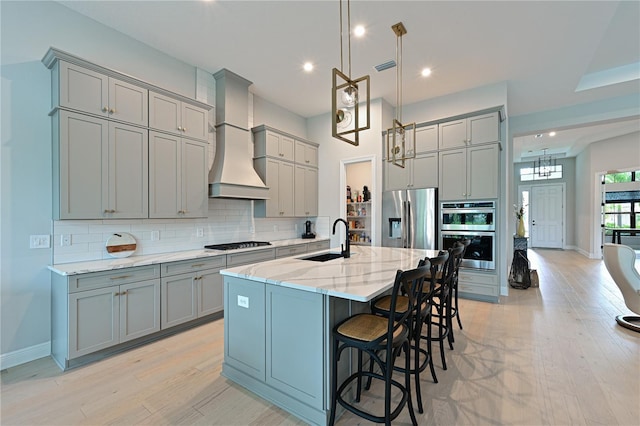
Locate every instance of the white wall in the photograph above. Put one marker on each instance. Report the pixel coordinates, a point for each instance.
(275, 116)
(620, 153)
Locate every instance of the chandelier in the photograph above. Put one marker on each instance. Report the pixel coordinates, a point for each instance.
(544, 165)
(348, 95)
(401, 138)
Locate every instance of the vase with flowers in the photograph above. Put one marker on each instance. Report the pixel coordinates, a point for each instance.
(519, 212)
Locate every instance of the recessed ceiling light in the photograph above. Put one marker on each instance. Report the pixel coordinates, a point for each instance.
(308, 66)
(359, 31)
(552, 134)
(426, 72)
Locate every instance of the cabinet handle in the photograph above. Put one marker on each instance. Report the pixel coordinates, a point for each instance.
(197, 265)
(184, 129)
(112, 110)
(179, 128)
(116, 294)
(124, 293)
(112, 211)
(105, 109)
(120, 277)
(306, 161)
(106, 211)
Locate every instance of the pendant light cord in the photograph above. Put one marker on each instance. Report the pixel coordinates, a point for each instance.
(348, 38)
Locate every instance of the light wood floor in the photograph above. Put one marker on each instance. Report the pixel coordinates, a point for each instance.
(547, 356)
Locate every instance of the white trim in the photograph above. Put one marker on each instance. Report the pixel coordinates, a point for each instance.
(24, 355)
(374, 199)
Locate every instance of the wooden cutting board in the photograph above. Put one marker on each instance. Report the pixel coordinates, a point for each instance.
(121, 244)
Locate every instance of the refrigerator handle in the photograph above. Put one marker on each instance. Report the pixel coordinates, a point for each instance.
(409, 227)
(404, 224)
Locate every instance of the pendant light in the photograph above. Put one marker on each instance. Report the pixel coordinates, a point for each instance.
(401, 138)
(349, 96)
(544, 165)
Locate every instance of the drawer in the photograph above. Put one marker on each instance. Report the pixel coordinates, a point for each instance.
(473, 278)
(290, 250)
(484, 290)
(96, 280)
(185, 266)
(318, 245)
(254, 256)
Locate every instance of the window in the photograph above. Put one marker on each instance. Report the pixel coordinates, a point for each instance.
(526, 173)
(622, 208)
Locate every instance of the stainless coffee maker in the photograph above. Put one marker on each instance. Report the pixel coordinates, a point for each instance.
(307, 231)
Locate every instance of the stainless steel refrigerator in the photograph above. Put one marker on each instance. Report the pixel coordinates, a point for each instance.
(409, 218)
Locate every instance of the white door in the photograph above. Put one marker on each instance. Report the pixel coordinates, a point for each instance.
(546, 215)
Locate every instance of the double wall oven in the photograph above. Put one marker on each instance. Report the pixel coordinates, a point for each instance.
(474, 221)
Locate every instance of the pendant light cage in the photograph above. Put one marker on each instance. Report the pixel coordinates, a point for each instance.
(401, 138)
(350, 98)
(544, 165)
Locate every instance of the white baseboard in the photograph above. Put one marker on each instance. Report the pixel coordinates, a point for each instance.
(21, 356)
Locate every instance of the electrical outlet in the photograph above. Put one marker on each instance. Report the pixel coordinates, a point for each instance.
(200, 232)
(155, 235)
(65, 240)
(39, 241)
(252, 229)
(243, 301)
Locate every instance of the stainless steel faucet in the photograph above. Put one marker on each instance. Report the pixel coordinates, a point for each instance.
(345, 252)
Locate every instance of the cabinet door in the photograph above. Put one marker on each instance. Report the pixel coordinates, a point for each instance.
(194, 121)
(84, 90)
(482, 171)
(165, 179)
(427, 139)
(425, 171)
(285, 370)
(287, 147)
(94, 317)
(195, 201)
(272, 144)
(311, 192)
(210, 292)
(165, 113)
(128, 102)
(453, 176)
(396, 177)
(178, 297)
(128, 171)
(306, 154)
(306, 191)
(139, 309)
(453, 134)
(483, 128)
(285, 189)
(83, 163)
(272, 181)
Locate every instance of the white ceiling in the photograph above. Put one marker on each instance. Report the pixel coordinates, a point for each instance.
(540, 48)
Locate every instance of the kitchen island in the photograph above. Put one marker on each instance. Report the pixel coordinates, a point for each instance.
(278, 318)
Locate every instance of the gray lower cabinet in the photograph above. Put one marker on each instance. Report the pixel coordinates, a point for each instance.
(262, 324)
(95, 311)
(479, 285)
(191, 289)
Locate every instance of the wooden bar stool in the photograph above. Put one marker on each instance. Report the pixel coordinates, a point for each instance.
(372, 335)
(424, 300)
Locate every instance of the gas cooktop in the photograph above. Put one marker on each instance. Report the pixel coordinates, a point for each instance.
(234, 246)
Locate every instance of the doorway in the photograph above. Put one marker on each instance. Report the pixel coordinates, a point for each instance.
(361, 214)
(544, 215)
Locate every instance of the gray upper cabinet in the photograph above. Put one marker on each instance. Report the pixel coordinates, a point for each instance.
(101, 163)
(174, 116)
(469, 173)
(177, 177)
(82, 89)
(427, 139)
(289, 167)
(100, 168)
(474, 130)
(419, 172)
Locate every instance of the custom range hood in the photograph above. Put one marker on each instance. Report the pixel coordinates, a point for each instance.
(233, 175)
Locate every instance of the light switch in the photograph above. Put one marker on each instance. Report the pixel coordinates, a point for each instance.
(39, 241)
(243, 301)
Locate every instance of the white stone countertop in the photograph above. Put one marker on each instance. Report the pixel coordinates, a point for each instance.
(369, 271)
(151, 259)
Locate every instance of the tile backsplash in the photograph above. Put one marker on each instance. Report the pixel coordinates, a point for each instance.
(228, 220)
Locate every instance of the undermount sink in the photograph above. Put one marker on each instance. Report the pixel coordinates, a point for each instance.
(323, 257)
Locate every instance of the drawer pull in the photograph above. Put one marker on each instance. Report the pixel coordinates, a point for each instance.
(120, 277)
(197, 265)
